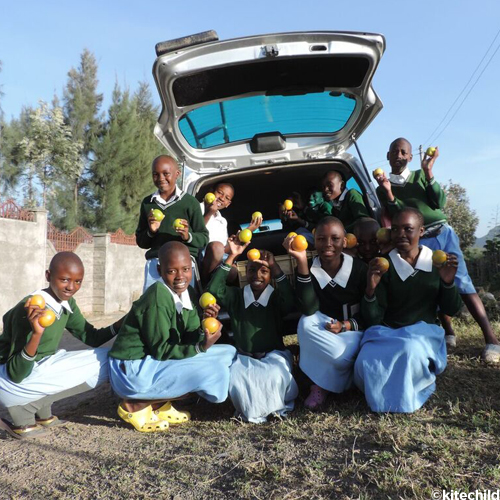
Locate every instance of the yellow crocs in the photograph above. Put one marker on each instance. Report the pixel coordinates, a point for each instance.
(144, 420)
(171, 415)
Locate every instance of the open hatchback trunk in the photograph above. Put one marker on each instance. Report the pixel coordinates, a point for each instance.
(268, 113)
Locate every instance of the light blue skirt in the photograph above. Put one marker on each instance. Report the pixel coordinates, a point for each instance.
(397, 368)
(327, 358)
(261, 387)
(206, 374)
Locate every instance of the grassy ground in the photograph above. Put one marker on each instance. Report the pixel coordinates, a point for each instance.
(343, 452)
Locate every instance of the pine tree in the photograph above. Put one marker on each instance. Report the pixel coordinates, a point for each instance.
(120, 172)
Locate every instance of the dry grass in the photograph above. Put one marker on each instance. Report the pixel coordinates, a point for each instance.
(343, 452)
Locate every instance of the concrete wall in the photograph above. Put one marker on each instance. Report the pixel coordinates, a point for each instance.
(114, 273)
(22, 258)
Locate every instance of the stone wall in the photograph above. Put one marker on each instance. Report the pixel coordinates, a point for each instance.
(114, 273)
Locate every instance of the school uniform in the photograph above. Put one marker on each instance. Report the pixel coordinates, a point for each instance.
(327, 358)
(180, 206)
(158, 352)
(261, 376)
(25, 379)
(412, 189)
(404, 348)
(348, 207)
(216, 226)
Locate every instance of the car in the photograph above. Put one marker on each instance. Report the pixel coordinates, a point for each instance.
(270, 114)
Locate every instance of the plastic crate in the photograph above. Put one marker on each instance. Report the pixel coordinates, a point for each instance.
(286, 262)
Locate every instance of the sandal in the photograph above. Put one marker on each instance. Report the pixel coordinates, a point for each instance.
(27, 432)
(171, 415)
(53, 421)
(491, 354)
(316, 398)
(144, 420)
(451, 340)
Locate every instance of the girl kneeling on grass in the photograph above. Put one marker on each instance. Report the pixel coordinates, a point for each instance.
(405, 349)
(261, 376)
(161, 354)
(329, 296)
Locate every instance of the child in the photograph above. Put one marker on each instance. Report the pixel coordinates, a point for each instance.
(336, 200)
(420, 190)
(329, 295)
(34, 373)
(368, 247)
(261, 377)
(161, 354)
(173, 204)
(404, 349)
(217, 228)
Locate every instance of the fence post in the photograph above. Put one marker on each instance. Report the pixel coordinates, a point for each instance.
(101, 244)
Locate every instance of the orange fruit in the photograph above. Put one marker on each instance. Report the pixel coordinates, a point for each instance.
(178, 224)
(439, 258)
(256, 214)
(351, 240)
(245, 236)
(377, 172)
(210, 324)
(288, 204)
(158, 214)
(291, 235)
(47, 318)
(382, 263)
(430, 151)
(207, 299)
(299, 243)
(384, 235)
(37, 300)
(253, 254)
(210, 198)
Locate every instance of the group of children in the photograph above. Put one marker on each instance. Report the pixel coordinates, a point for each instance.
(363, 322)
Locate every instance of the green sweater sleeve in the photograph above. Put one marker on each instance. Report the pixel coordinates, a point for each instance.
(373, 310)
(142, 235)
(435, 195)
(450, 301)
(286, 295)
(356, 206)
(307, 299)
(225, 295)
(80, 328)
(20, 365)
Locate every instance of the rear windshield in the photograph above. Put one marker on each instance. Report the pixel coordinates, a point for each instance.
(240, 119)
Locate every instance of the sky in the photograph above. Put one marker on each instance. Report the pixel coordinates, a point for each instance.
(433, 47)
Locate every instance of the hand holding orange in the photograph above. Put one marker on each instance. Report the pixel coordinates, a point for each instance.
(157, 214)
(299, 243)
(210, 324)
(245, 235)
(253, 254)
(209, 198)
(207, 299)
(288, 204)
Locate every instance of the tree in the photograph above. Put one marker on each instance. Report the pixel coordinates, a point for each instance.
(49, 151)
(460, 216)
(120, 172)
(81, 107)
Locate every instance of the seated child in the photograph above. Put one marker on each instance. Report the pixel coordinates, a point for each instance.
(34, 373)
(261, 377)
(419, 189)
(404, 348)
(174, 204)
(161, 354)
(329, 296)
(368, 247)
(217, 228)
(336, 200)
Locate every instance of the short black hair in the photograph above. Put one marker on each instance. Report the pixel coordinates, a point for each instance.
(401, 139)
(64, 259)
(410, 210)
(330, 219)
(165, 157)
(224, 183)
(365, 222)
(326, 174)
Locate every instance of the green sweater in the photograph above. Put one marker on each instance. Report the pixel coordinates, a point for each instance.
(17, 333)
(154, 327)
(256, 329)
(187, 207)
(351, 208)
(342, 304)
(417, 192)
(399, 303)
